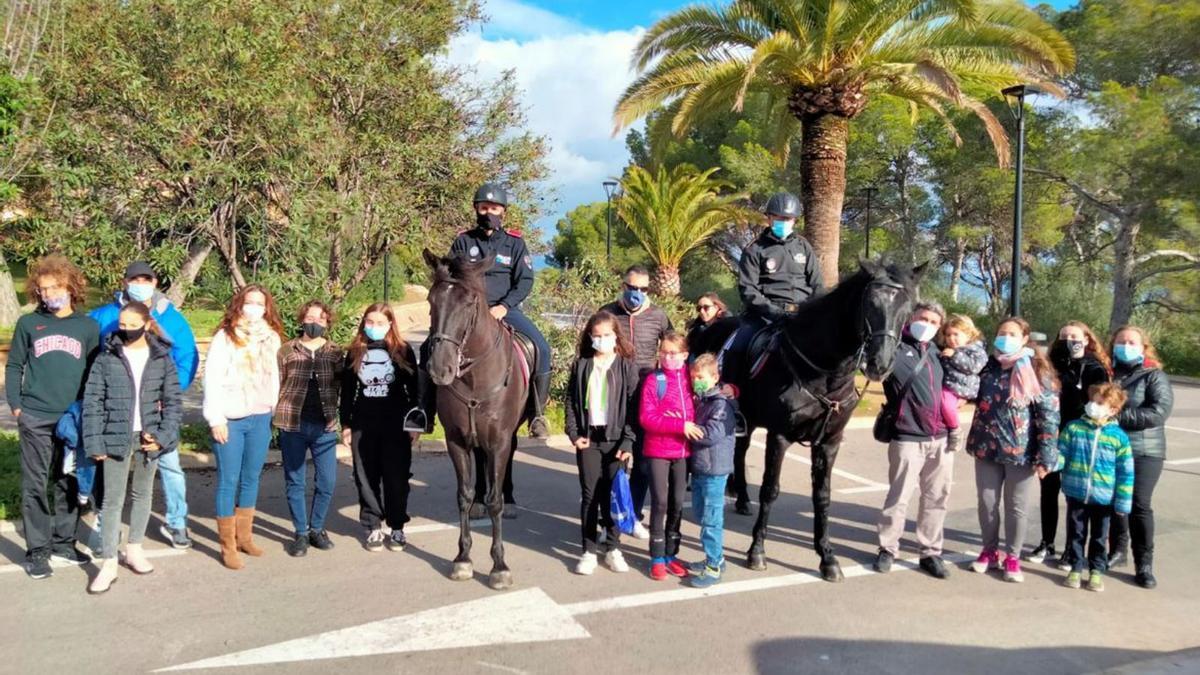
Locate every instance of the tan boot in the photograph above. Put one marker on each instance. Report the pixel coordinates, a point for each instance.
(226, 532)
(245, 537)
(105, 578)
(135, 559)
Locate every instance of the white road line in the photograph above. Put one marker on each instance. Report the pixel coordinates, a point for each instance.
(1177, 462)
(1190, 431)
(152, 553)
(874, 485)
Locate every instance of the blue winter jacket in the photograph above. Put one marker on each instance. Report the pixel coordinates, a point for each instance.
(174, 327)
(716, 415)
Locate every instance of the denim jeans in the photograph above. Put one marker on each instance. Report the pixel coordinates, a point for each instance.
(117, 485)
(708, 507)
(240, 462)
(174, 488)
(295, 446)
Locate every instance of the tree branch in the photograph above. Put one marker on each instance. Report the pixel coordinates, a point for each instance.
(1078, 189)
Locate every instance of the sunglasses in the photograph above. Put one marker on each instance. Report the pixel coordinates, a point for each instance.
(637, 288)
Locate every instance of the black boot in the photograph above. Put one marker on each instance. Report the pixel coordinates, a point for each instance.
(1145, 571)
(1118, 558)
(538, 427)
(420, 418)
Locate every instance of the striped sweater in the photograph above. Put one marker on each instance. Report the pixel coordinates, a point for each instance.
(1097, 464)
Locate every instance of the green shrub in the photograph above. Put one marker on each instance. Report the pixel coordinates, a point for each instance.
(10, 477)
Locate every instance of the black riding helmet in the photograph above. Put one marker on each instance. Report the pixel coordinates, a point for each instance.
(491, 192)
(783, 204)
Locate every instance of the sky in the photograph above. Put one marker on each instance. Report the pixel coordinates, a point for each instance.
(571, 61)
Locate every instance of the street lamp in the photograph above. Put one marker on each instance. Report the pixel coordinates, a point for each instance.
(387, 271)
(610, 189)
(1019, 92)
(870, 191)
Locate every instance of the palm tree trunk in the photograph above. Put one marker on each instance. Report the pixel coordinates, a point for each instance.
(666, 281)
(823, 186)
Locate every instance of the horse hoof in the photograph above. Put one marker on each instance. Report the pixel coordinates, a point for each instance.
(832, 572)
(756, 561)
(462, 571)
(500, 580)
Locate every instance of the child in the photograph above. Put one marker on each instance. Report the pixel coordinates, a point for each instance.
(963, 358)
(666, 415)
(1097, 477)
(711, 464)
(599, 421)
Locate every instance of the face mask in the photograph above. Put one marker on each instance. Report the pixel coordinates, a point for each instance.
(922, 331)
(674, 361)
(1128, 353)
(312, 330)
(57, 302)
(1097, 411)
(1007, 344)
(701, 386)
(130, 335)
(254, 312)
(488, 221)
(1076, 348)
(140, 292)
(781, 228)
(605, 345)
(375, 333)
(633, 299)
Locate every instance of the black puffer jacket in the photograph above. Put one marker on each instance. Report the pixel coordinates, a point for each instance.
(1145, 414)
(108, 401)
(1077, 376)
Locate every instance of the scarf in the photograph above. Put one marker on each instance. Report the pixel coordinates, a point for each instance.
(259, 348)
(1024, 387)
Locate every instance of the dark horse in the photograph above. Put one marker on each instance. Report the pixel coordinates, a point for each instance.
(481, 395)
(805, 393)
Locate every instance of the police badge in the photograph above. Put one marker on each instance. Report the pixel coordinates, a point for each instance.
(771, 264)
(800, 257)
(474, 251)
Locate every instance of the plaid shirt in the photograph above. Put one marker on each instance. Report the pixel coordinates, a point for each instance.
(296, 366)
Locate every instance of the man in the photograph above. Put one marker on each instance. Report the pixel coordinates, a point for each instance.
(52, 349)
(918, 455)
(644, 323)
(141, 285)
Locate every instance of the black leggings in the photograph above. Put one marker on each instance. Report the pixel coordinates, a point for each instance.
(667, 484)
(1140, 521)
(1051, 486)
(598, 466)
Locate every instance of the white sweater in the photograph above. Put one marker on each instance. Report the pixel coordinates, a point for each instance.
(228, 393)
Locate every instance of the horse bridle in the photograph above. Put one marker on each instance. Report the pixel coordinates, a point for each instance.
(463, 364)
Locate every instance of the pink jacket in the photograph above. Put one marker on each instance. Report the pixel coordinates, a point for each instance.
(664, 435)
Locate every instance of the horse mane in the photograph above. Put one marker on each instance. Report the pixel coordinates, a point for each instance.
(460, 270)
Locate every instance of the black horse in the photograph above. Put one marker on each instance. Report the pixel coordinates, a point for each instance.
(805, 392)
(481, 396)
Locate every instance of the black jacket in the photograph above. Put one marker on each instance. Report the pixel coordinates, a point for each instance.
(920, 413)
(108, 400)
(1077, 376)
(774, 276)
(708, 338)
(644, 330)
(1145, 414)
(510, 278)
(622, 402)
(380, 391)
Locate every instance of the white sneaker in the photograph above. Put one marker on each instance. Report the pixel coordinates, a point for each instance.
(586, 564)
(640, 531)
(615, 561)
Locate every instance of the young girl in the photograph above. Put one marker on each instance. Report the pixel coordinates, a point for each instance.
(599, 421)
(963, 357)
(379, 383)
(241, 388)
(667, 414)
(131, 413)
(1014, 439)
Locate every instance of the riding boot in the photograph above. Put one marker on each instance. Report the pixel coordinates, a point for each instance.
(420, 418)
(538, 427)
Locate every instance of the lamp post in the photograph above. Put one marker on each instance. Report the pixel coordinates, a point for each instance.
(870, 191)
(1019, 92)
(610, 189)
(387, 272)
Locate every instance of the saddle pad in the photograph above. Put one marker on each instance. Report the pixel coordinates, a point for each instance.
(519, 352)
(759, 364)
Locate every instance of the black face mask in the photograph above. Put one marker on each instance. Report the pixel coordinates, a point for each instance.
(488, 221)
(312, 331)
(130, 335)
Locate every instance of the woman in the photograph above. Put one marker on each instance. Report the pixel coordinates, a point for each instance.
(1143, 419)
(241, 389)
(310, 370)
(131, 414)
(1014, 439)
(378, 385)
(713, 325)
(1080, 361)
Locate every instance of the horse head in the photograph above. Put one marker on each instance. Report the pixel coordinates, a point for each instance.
(888, 296)
(456, 300)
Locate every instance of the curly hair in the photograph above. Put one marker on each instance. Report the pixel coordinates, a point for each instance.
(233, 313)
(64, 271)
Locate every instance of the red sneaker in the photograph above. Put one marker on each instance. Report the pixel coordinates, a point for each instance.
(658, 571)
(676, 568)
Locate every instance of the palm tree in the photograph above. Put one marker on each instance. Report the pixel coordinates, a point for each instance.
(673, 213)
(819, 62)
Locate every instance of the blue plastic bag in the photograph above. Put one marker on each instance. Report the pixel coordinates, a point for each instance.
(621, 503)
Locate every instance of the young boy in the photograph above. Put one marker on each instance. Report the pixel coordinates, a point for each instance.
(1097, 478)
(711, 464)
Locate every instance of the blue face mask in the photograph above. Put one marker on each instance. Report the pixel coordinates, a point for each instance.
(633, 299)
(1007, 344)
(139, 292)
(1128, 353)
(781, 228)
(375, 333)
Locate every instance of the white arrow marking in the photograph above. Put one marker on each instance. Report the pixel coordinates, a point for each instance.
(509, 618)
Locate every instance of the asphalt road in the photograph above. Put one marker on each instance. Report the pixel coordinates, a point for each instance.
(398, 612)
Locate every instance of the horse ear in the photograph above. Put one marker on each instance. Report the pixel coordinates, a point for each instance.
(920, 270)
(430, 259)
(870, 267)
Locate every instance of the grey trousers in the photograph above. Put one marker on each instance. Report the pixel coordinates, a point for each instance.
(1017, 486)
(929, 467)
(116, 480)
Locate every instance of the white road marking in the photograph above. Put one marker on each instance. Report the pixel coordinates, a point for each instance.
(501, 668)
(874, 485)
(1177, 462)
(151, 553)
(1190, 431)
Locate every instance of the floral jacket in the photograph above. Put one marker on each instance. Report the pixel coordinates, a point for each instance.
(1008, 434)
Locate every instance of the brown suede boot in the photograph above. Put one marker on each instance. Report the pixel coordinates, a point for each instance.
(245, 538)
(226, 532)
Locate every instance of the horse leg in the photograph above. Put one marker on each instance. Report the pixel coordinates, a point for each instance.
(741, 491)
(823, 457)
(500, 578)
(777, 447)
(478, 508)
(463, 466)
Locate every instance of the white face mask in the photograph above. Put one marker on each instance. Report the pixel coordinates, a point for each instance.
(1097, 411)
(605, 345)
(922, 331)
(253, 312)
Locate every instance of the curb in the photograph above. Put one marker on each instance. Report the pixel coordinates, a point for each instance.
(1184, 380)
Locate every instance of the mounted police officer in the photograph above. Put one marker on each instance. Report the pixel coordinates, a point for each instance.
(508, 283)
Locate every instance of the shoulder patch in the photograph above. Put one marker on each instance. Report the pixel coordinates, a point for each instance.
(515, 233)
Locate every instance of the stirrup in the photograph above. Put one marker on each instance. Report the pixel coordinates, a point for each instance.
(415, 421)
(545, 425)
(740, 428)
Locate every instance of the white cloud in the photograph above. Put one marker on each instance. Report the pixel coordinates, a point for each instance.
(570, 83)
(515, 19)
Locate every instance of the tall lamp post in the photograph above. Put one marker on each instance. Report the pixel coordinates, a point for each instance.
(610, 189)
(870, 191)
(387, 272)
(1019, 92)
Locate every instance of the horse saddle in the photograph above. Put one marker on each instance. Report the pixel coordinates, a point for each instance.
(761, 345)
